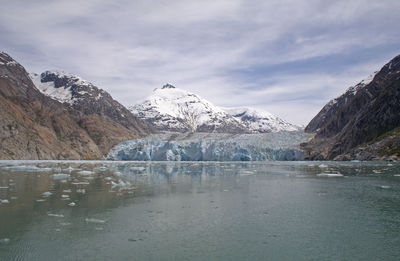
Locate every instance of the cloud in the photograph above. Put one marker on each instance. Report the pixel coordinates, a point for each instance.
(289, 57)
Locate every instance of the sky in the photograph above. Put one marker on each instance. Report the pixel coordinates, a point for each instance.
(287, 57)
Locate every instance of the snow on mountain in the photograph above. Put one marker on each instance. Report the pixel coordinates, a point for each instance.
(260, 121)
(86, 98)
(173, 109)
(64, 87)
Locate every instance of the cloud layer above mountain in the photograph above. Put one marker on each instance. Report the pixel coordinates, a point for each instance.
(288, 57)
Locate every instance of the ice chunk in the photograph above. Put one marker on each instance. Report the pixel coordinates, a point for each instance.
(138, 168)
(81, 191)
(121, 185)
(85, 172)
(4, 241)
(330, 175)
(4, 201)
(95, 220)
(80, 183)
(103, 168)
(55, 215)
(69, 169)
(60, 176)
(72, 204)
(47, 194)
(27, 168)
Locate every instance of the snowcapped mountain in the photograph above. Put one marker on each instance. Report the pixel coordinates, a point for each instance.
(83, 96)
(173, 109)
(105, 119)
(260, 121)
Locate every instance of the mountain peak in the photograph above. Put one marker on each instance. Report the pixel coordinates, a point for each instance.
(168, 86)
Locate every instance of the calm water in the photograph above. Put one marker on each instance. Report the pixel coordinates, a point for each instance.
(199, 211)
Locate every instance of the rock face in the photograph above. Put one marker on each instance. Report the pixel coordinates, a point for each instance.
(357, 125)
(212, 147)
(173, 109)
(35, 126)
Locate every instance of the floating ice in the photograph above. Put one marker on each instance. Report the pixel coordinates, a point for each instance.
(95, 220)
(81, 191)
(121, 185)
(385, 187)
(69, 169)
(323, 166)
(60, 176)
(27, 168)
(330, 175)
(55, 215)
(64, 196)
(72, 204)
(67, 190)
(4, 187)
(80, 183)
(47, 194)
(376, 171)
(4, 201)
(4, 241)
(138, 168)
(103, 168)
(85, 173)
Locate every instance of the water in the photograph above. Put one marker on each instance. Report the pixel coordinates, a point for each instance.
(199, 211)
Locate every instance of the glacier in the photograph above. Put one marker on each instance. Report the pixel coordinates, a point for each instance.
(212, 147)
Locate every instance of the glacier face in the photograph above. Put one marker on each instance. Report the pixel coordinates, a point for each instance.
(212, 147)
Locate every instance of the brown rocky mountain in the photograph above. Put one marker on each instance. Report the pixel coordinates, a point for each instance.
(36, 126)
(362, 123)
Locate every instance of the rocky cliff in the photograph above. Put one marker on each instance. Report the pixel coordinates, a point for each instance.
(36, 126)
(361, 123)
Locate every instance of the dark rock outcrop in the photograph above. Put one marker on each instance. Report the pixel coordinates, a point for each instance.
(358, 118)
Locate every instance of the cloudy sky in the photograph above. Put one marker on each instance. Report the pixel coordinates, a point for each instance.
(287, 57)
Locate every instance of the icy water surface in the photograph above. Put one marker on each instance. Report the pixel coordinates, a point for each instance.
(199, 211)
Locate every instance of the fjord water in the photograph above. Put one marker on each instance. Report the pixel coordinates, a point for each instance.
(66, 210)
